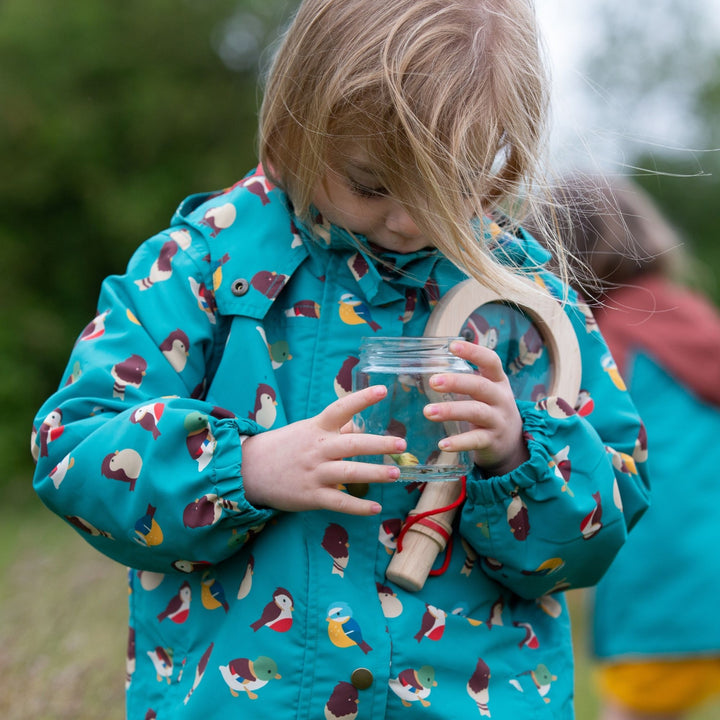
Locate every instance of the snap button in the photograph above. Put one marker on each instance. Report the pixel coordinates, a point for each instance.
(361, 678)
(240, 286)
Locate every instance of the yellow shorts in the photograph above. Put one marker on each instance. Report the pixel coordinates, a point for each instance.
(662, 686)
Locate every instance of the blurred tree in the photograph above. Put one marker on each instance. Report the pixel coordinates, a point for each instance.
(656, 84)
(110, 114)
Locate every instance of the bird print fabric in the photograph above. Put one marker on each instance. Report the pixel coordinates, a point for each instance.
(241, 318)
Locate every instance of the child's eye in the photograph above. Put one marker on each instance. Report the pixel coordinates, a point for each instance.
(367, 192)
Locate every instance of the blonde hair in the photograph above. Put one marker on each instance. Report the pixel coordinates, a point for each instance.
(447, 97)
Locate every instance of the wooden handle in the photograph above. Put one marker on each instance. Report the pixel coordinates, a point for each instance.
(422, 543)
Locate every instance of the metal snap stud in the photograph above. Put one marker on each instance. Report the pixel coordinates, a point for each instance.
(240, 286)
(361, 678)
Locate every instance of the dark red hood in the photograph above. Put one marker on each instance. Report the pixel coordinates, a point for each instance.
(677, 327)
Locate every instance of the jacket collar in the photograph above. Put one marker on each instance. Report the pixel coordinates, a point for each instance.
(256, 243)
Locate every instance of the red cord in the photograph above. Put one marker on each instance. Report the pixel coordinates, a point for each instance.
(412, 519)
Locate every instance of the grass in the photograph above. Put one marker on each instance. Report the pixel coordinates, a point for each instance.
(63, 625)
(63, 622)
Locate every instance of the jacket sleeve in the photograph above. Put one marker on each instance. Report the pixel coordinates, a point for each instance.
(127, 451)
(557, 521)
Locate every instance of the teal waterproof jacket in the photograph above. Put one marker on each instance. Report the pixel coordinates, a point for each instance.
(239, 319)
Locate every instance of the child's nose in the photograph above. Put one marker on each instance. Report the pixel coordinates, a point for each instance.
(399, 221)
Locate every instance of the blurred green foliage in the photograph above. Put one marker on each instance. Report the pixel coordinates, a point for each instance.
(110, 114)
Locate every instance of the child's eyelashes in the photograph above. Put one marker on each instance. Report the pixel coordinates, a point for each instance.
(367, 192)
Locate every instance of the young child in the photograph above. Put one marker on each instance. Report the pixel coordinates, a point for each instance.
(202, 432)
(653, 611)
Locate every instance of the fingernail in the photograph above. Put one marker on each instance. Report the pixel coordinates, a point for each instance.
(437, 381)
(394, 473)
(400, 444)
(431, 410)
(444, 444)
(375, 508)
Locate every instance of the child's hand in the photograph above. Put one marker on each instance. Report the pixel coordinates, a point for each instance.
(495, 434)
(299, 466)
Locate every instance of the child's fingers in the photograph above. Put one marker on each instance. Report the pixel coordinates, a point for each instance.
(486, 360)
(339, 413)
(339, 501)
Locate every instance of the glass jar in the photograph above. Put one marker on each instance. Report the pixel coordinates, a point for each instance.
(404, 365)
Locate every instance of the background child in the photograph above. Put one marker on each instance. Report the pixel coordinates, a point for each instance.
(202, 429)
(653, 619)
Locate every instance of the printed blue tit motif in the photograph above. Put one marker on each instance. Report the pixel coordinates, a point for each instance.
(241, 318)
(213, 592)
(343, 629)
(147, 530)
(353, 311)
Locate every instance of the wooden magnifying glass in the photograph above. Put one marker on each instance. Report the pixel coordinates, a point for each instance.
(536, 341)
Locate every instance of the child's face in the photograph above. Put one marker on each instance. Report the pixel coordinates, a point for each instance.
(351, 196)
